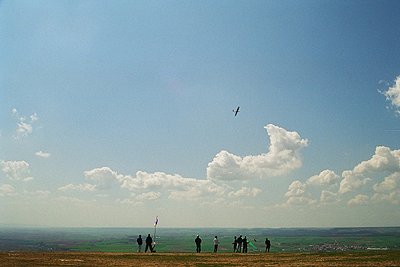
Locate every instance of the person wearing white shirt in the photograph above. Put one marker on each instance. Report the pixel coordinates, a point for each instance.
(216, 242)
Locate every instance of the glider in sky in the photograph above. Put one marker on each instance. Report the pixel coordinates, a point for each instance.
(236, 111)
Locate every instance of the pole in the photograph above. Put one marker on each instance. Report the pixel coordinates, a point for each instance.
(155, 230)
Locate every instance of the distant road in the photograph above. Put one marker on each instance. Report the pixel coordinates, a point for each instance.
(345, 259)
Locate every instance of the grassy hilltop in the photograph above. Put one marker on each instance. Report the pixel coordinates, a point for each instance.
(348, 259)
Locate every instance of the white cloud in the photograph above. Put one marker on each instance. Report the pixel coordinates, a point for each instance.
(358, 200)
(178, 186)
(325, 178)
(43, 154)
(391, 183)
(392, 94)
(353, 183)
(296, 188)
(297, 194)
(283, 156)
(16, 170)
(175, 185)
(24, 124)
(7, 190)
(388, 190)
(103, 177)
(315, 187)
(384, 160)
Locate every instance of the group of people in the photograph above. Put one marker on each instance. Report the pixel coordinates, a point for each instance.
(149, 243)
(239, 244)
(197, 241)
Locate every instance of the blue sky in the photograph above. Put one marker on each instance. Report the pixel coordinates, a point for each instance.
(113, 112)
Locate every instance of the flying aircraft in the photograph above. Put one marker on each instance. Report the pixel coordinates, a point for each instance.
(236, 111)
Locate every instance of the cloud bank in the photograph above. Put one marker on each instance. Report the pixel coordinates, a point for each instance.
(282, 157)
(379, 176)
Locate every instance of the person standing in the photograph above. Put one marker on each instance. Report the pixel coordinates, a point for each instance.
(216, 243)
(239, 244)
(149, 243)
(234, 244)
(244, 244)
(267, 245)
(198, 244)
(139, 243)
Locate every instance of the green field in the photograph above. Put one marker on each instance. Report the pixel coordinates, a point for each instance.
(182, 239)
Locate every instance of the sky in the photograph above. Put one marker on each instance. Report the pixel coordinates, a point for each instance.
(115, 112)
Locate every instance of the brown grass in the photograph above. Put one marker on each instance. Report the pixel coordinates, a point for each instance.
(370, 258)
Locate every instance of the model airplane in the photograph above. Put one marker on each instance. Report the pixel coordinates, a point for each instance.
(236, 111)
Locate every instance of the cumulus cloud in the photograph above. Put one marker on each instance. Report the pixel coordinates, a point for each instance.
(297, 195)
(103, 177)
(384, 160)
(16, 170)
(325, 178)
(392, 95)
(313, 189)
(42, 154)
(283, 156)
(380, 174)
(176, 186)
(388, 190)
(296, 188)
(24, 124)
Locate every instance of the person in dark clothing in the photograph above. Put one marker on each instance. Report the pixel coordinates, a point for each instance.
(239, 244)
(234, 244)
(140, 243)
(198, 244)
(267, 245)
(149, 243)
(245, 244)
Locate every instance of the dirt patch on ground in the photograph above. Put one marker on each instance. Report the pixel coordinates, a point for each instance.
(371, 258)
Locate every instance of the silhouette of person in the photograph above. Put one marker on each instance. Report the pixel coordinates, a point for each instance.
(140, 243)
(198, 244)
(234, 244)
(149, 242)
(239, 244)
(245, 244)
(267, 245)
(216, 243)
